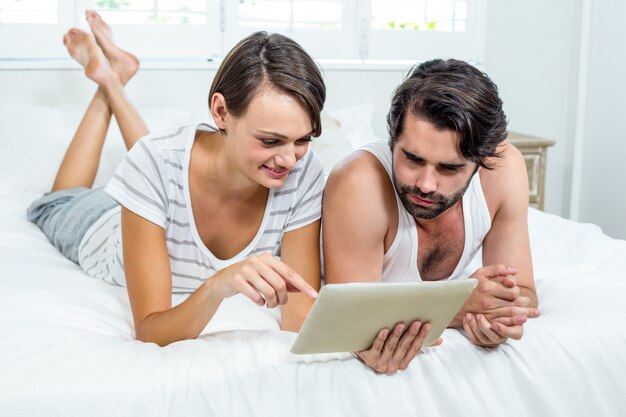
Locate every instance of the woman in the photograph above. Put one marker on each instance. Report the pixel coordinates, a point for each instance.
(199, 209)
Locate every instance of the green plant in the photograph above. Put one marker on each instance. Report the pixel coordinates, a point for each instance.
(412, 25)
(111, 4)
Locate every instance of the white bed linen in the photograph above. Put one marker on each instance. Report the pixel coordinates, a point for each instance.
(67, 348)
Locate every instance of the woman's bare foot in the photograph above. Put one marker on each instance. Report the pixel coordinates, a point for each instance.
(83, 48)
(123, 63)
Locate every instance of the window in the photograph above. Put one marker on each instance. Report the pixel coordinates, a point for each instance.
(439, 15)
(367, 29)
(315, 24)
(320, 14)
(172, 29)
(201, 29)
(419, 29)
(28, 11)
(190, 12)
(165, 28)
(38, 24)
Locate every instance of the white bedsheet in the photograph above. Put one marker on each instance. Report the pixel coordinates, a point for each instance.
(67, 348)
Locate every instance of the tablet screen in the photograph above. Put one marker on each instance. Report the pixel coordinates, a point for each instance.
(347, 317)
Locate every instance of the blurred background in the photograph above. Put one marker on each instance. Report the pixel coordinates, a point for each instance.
(560, 66)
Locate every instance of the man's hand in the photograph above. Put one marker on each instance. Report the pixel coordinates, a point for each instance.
(496, 295)
(483, 333)
(495, 311)
(393, 351)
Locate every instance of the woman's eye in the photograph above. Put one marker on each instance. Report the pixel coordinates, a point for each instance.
(269, 142)
(304, 141)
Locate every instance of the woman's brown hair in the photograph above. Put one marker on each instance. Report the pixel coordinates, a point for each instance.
(262, 60)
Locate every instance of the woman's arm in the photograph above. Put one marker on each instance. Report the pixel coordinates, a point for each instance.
(149, 283)
(300, 250)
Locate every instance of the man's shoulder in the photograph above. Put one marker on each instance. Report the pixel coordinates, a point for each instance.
(361, 171)
(360, 185)
(507, 181)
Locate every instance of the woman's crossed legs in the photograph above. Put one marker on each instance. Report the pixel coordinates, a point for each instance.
(111, 68)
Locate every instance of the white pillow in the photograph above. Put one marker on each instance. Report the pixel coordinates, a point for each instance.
(33, 141)
(344, 131)
(356, 123)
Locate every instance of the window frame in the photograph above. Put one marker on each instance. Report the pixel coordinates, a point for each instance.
(314, 41)
(38, 40)
(425, 44)
(354, 41)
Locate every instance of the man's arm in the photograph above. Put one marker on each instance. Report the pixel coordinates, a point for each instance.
(354, 220)
(506, 191)
(358, 200)
(510, 298)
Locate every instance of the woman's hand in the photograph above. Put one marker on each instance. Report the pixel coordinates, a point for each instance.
(393, 351)
(263, 279)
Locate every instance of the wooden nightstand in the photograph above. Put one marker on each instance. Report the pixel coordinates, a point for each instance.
(535, 151)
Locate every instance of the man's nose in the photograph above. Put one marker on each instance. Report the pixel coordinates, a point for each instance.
(426, 180)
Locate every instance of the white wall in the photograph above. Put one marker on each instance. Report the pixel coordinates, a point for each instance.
(188, 88)
(603, 186)
(532, 52)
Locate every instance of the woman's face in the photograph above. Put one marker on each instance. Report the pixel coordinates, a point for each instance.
(269, 138)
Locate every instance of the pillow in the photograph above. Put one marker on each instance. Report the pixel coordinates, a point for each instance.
(344, 131)
(356, 123)
(33, 141)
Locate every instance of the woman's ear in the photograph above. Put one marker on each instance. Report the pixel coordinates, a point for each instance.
(219, 112)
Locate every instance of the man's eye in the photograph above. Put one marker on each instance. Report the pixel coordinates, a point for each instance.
(450, 168)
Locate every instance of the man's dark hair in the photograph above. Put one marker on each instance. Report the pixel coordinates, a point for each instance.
(264, 60)
(454, 95)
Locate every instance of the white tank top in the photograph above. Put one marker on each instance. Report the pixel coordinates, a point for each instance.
(400, 260)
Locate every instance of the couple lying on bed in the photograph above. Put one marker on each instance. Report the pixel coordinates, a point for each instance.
(236, 208)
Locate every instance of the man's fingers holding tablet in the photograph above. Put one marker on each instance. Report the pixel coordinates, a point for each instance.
(390, 347)
(404, 348)
(371, 357)
(378, 356)
(395, 349)
(416, 344)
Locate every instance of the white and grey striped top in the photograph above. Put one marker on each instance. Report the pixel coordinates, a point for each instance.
(153, 182)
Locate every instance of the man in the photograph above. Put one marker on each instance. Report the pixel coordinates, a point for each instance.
(421, 206)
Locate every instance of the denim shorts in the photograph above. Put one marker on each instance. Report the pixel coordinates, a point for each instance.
(65, 216)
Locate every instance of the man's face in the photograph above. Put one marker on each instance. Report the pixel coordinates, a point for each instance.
(429, 172)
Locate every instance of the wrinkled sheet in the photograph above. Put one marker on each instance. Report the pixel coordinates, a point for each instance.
(67, 347)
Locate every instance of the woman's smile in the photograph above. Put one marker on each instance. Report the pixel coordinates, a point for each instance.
(275, 173)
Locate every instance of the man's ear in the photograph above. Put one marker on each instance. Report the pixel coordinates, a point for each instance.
(219, 112)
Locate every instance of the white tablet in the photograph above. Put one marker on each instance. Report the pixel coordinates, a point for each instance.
(347, 317)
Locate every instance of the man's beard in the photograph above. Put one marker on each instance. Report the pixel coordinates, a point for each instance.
(442, 202)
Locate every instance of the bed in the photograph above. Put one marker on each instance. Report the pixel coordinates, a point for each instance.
(67, 346)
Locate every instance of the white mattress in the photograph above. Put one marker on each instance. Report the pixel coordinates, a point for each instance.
(67, 347)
